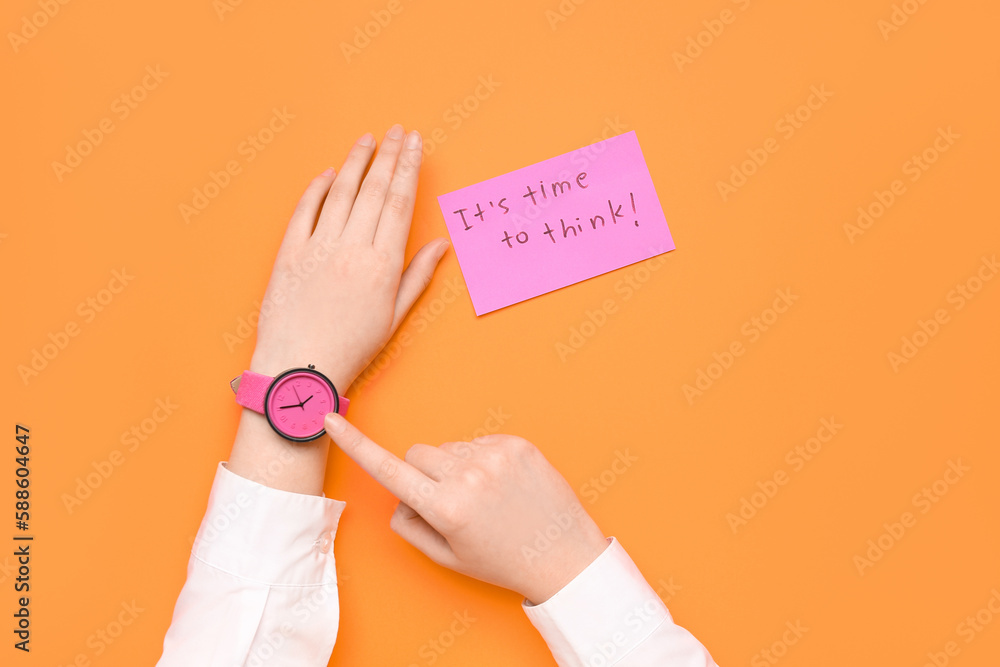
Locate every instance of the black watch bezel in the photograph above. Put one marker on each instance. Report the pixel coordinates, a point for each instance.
(267, 412)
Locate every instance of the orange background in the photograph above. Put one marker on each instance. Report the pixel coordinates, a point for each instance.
(560, 87)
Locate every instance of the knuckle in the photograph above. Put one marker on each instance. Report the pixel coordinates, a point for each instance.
(398, 203)
(339, 195)
(374, 189)
(519, 445)
(473, 477)
(387, 468)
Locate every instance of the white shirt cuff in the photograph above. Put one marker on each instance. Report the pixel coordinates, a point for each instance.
(603, 614)
(268, 535)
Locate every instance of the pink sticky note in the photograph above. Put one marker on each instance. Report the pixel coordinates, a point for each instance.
(555, 223)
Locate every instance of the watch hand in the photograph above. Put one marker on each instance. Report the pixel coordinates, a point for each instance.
(297, 395)
(304, 402)
(297, 405)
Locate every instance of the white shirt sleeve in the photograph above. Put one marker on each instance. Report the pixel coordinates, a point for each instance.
(609, 615)
(261, 581)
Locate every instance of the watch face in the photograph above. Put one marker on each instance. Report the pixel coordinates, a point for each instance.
(297, 402)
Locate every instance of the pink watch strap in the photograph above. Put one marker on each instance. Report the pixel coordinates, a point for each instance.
(251, 388)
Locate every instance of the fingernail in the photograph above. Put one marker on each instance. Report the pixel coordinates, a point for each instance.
(413, 140)
(395, 132)
(367, 139)
(334, 423)
(327, 172)
(444, 248)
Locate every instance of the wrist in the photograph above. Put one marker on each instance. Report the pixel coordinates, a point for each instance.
(564, 567)
(262, 455)
(271, 366)
(265, 455)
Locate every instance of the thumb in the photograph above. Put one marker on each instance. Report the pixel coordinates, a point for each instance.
(416, 278)
(413, 528)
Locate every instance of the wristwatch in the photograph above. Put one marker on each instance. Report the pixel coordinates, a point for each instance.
(295, 402)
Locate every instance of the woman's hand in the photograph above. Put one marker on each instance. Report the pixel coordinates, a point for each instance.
(493, 508)
(337, 293)
(338, 290)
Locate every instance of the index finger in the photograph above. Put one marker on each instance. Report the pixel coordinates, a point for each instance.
(397, 476)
